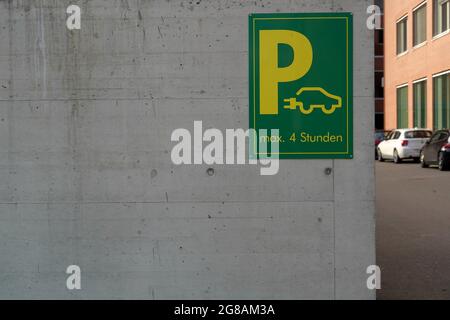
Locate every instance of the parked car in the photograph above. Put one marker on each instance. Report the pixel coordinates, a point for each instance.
(380, 135)
(403, 144)
(436, 151)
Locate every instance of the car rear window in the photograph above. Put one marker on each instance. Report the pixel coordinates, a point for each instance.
(417, 134)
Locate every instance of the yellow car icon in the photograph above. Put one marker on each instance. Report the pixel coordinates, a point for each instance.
(310, 98)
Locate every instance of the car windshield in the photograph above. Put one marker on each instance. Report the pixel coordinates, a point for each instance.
(418, 134)
(379, 135)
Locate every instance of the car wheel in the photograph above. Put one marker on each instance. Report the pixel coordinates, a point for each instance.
(396, 157)
(328, 110)
(380, 155)
(423, 163)
(306, 110)
(443, 166)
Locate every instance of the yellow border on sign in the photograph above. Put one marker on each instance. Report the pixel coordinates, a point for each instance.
(254, 80)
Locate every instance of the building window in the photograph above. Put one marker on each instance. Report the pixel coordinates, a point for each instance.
(379, 90)
(420, 104)
(402, 107)
(379, 121)
(441, 15)
(441, 101)
(402, 35)
(381, 36)
(420, 25)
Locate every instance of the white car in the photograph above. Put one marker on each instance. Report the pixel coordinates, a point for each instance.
(403, 144)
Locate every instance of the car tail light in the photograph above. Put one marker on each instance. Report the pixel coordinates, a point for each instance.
(377, 141)
(405, 143)
(446, 147)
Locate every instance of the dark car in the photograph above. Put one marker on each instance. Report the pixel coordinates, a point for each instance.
(380, 135)
(437, 150)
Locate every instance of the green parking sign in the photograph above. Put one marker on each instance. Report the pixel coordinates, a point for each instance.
(300, 69)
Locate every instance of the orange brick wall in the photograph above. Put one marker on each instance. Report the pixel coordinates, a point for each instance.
(417, 63)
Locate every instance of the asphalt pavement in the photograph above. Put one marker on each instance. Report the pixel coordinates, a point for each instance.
(413, 231)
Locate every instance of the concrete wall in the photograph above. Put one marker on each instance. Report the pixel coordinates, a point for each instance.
(86, 176)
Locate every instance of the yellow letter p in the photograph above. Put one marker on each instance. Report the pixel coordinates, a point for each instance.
(270, 74)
